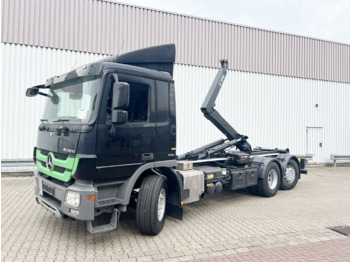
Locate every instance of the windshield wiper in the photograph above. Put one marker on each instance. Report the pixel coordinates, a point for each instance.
(61, 120)
(44, 120)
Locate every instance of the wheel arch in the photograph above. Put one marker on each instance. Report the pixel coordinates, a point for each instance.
(174, 184)
(125, 189)
(263, 162)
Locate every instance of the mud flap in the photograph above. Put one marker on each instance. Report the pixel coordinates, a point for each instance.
(174, 211)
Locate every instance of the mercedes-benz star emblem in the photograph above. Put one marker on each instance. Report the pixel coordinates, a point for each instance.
(49, 164)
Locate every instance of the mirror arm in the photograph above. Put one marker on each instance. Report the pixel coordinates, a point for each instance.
(111, 132)
(115, 77)
(43, 94)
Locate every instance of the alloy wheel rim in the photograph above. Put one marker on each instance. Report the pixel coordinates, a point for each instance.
(272, 178)
(289, 176)
(161, 204)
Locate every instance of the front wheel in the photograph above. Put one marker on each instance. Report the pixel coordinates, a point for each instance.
(269, 185)
(291, 175)
(151, 204)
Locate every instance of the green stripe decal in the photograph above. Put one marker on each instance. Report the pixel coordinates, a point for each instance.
(71, 163)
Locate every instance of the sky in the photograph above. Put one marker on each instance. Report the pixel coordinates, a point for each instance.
(323, 19)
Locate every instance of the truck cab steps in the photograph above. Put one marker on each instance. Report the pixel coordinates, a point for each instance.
(106, 227)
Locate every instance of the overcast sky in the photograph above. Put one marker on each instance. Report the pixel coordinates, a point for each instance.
(325, 19)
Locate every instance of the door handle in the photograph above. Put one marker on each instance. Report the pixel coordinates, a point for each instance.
(147, 156)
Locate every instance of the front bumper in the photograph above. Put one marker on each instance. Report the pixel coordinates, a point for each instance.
(52, 195)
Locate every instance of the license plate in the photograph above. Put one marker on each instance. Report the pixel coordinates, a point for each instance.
(48, 189)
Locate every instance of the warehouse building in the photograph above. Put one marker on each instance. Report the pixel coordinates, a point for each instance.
(282, 90)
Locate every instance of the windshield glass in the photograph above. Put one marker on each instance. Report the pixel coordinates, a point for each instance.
(72, 101)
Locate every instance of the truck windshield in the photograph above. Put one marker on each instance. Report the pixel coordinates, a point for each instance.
(72, 101)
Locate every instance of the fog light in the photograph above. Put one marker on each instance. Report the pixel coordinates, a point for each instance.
(72, 199)
(74, 212)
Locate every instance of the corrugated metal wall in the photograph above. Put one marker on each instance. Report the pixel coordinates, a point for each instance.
(102, 27)
(23, 67)
(274, 111)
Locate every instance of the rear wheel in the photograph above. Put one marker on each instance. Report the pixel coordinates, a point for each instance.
(290, 176)
(151, 204)
(269, 185)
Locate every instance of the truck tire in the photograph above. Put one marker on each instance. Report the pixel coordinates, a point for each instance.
(291, 175)
(151, 203)
(269, 185)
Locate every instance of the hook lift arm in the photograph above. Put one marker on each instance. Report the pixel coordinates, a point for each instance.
(213, 116)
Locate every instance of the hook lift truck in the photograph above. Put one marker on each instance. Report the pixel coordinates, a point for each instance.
(107, 141)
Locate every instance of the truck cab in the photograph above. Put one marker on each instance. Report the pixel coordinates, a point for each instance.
(105, 126)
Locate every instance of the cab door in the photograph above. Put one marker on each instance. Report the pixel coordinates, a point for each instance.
(133, 143)
(165, 143)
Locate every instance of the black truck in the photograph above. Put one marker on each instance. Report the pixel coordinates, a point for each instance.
(107, 141)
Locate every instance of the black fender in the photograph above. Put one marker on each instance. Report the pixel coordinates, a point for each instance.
(174, 185)
(262, 163)
(126, 187)
(174, 192)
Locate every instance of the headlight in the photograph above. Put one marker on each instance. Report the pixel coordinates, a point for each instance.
(72, 199)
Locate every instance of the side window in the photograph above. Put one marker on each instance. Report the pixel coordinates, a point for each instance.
(138, 110)
(162, 101)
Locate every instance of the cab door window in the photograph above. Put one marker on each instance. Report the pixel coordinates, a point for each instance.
(138, 109)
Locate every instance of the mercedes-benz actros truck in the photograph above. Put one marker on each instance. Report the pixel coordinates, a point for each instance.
(107, 141)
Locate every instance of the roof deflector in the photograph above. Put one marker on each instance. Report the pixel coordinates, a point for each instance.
(159, 58)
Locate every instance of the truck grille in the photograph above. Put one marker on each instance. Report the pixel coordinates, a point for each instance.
(58, 169)
(57, 155)
(42, 163)
(62, 164)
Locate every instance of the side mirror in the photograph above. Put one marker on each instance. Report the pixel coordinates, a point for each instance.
(119, 117)
(55, 99)
(120, 101)
(33, 91)
(121, 95)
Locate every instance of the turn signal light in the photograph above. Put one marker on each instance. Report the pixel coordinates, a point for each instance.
(91, 198)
